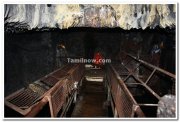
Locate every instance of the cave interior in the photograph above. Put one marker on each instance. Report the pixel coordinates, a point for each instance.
(34, 53)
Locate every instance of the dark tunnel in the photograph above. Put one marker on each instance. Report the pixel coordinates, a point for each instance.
(30, 55)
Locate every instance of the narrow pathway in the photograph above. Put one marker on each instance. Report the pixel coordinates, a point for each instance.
(91, 101)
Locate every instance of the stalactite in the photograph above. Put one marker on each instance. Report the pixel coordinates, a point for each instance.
(125, 16)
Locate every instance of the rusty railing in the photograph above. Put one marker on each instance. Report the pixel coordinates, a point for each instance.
(55, 88)
(136, 86)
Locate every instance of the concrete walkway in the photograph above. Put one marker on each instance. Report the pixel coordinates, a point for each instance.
(91, 101)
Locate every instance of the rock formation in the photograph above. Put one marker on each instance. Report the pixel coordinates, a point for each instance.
(126, 16)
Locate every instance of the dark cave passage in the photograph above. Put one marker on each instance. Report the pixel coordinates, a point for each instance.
(30, 55)
(34, 54)
(90, 60)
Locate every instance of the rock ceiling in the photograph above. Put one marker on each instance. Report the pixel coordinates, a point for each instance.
(125, 16)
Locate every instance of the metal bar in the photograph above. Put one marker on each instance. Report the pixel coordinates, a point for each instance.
(126, 62)
(131, 71)
(115, 112)
(147, 87)
(139, 111)
(124, 86)
(29, 104)
(115, 76)
(127, 77)
(112, 104)
(133, 83)
(152, 66)
(67, 105)
(148, 104)
(150, 76)
(55, 71)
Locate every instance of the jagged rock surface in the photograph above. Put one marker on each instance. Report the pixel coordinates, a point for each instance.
(125, 16)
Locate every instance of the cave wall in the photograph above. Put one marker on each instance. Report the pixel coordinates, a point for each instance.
(141, 43)
(31, 55)
(28, 57)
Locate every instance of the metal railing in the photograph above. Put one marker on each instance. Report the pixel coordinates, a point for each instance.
(136, 86)
(55, 88)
